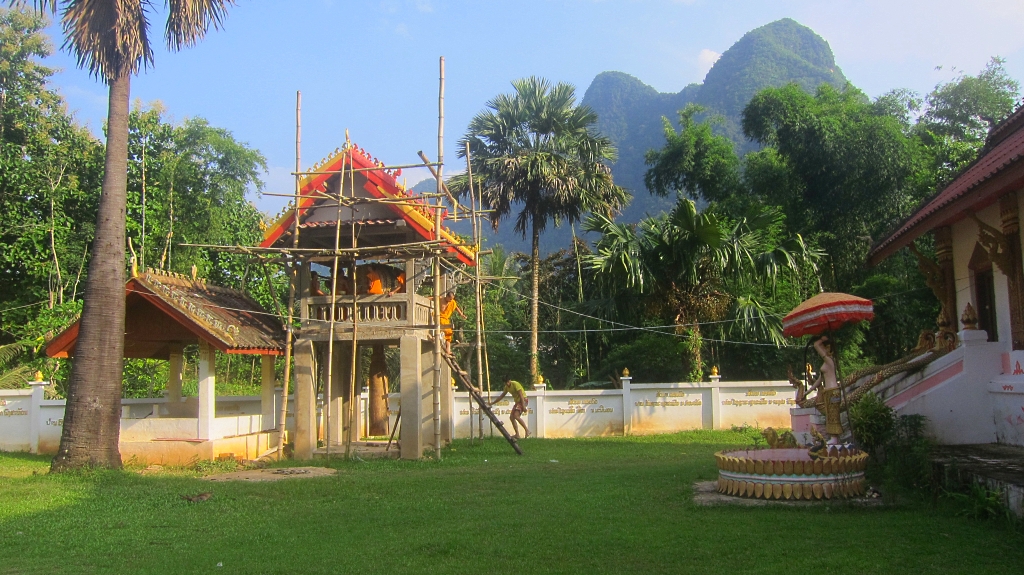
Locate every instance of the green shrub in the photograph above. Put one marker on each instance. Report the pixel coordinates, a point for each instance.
(872, 421)
(907, 457)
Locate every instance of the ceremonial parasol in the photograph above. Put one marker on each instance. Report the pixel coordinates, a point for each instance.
(826, 312)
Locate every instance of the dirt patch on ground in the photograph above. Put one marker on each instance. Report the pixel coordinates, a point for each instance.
(273, 474)
(706, 493)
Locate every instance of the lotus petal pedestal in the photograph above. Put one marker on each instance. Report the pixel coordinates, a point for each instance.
(791, 473)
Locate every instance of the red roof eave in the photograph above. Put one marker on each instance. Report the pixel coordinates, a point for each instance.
(62, 345)
(996, 173)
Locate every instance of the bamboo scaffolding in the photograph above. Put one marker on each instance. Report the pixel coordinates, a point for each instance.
(328, 395)
(476, 289)
(374, 169)
(294, 278)
(353, 423)
(435, 248)
(355, 251)
(437, 268)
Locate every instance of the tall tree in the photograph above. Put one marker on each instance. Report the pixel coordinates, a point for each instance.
(680, 264)
(537, 151)
(111, 39)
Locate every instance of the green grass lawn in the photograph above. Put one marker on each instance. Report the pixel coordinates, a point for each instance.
(617, 505)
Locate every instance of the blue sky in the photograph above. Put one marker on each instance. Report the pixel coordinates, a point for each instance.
(372, 66)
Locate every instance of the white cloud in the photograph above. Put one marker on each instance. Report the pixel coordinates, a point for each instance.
(402, 30)
(706, 59)
(424, 6)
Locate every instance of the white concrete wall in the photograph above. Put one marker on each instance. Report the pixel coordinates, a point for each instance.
(15, 420)
(30, 423)
(649, 408)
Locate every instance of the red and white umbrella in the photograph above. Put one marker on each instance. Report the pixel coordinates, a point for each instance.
(826, 311)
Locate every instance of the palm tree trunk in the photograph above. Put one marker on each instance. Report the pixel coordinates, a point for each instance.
(534, 294)
(92, 419)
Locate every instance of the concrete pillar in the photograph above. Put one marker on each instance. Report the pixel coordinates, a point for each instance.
(540, 394)
(414, 394)
(341, 379)
(305, 400)
(627, 403)
(716, 404)
(207, 390)
(268, 405)
(447, 405)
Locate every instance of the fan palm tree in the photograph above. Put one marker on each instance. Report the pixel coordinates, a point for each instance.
(535, 150)
(111, 39)
(681, 264)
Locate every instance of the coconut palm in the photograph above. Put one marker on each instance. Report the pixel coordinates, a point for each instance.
(111, 39)
(535, 150)
(681, 264)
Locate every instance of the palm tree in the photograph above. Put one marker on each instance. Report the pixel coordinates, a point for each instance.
(535, 150)
(111, 39)
(682, 264)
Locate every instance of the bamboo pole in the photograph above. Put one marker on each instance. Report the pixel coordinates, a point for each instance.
(437, 268)
(288, 348)
(352, 413)
(579, 276)
(476, 288)
(487, 367)
(328, 397)
(373, 169)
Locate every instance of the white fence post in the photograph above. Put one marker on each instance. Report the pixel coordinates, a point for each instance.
(716, 401)
(34, 413)
(627, 402)
(540, 391)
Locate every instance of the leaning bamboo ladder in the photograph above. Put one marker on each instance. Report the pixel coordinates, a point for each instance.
(478, 396)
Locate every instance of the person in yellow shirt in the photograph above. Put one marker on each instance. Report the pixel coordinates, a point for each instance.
(448, 307)
(522, 403)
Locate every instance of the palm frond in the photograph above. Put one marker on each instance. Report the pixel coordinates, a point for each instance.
(16, 378)
(189, 20)
(754, 321)
(10, 351)
(110, 38)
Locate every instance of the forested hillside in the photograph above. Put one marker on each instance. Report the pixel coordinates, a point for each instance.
(630, 112)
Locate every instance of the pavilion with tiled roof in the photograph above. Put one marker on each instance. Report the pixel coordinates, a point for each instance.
(351, 208)
(164, 313)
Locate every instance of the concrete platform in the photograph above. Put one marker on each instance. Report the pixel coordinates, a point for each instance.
(999, 467)
(363, 449)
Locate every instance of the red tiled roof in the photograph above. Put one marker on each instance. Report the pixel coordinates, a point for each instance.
(381, 182)
(997, 171)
